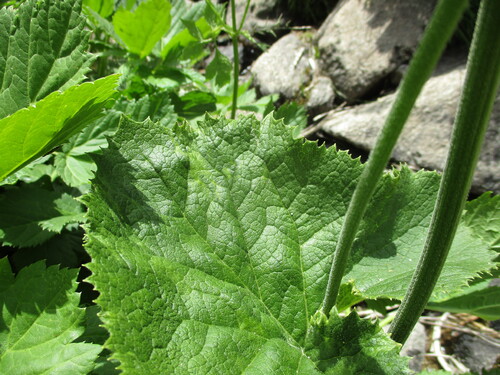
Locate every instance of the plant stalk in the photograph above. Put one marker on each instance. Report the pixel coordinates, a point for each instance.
(438, 32)
(236, 59)
(478, 95)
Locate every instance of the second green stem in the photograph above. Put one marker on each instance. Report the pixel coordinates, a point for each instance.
(236, 60)
(439, 30)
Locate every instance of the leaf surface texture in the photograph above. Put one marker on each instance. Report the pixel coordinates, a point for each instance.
(40, 319)
(212, 244)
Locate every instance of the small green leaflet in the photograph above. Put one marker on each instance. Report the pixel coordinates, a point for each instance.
(30, 215)
(40, 320)
(142, 28)
(42, 49)
(219, 68)
(211, 246)
(31, 132)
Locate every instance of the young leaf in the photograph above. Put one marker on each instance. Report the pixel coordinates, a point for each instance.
(31, 215)
(40, 320)
(31, 132)
(180, 38)
(193, 104)
(219, 68)
(141, 29)
(211, 244)
(353, 346)
(42, 49)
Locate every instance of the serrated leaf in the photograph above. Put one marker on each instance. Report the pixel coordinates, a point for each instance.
(353, 346)
(40, 319)
(182, 42)
(482, 215)
(42, 49)
(31, 173)
(64, 250)
(74, 163)
(388, 247)
(31, 215)
(292, 114)
(219, 68)
(480, 298)
(141, 29)
(212, 244)
(193, 104)
(31, 132)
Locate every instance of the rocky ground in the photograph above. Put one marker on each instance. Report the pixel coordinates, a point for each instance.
(345, 69)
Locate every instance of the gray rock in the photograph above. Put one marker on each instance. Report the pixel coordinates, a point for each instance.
(425, 139)
(263, 15)
(362, 41)
(285, 68)
(415, 347)
(321, 95)
(476, 353)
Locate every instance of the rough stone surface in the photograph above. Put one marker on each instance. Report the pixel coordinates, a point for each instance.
(425, 139)
(475, 353)
(415, 347)
(321, 95)
(263, 15)
(285, 68)
(362, 41)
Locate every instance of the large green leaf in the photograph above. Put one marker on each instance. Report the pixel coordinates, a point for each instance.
(42, 49)
(212, 244)
(31, 132)
(40, 320)
(141, 29)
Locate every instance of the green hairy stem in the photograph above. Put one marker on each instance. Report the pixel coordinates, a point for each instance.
(478, 95)
(236, 61)
(439, 30)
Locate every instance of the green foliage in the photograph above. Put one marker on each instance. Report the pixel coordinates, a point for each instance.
(221, 234)
(353, 346)
(42, 49)
(74, 164)
(31, 132)
(40, 320)
(31, 215)
(103, 7)
(219, 68)
(210, 242)
(142, 28)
